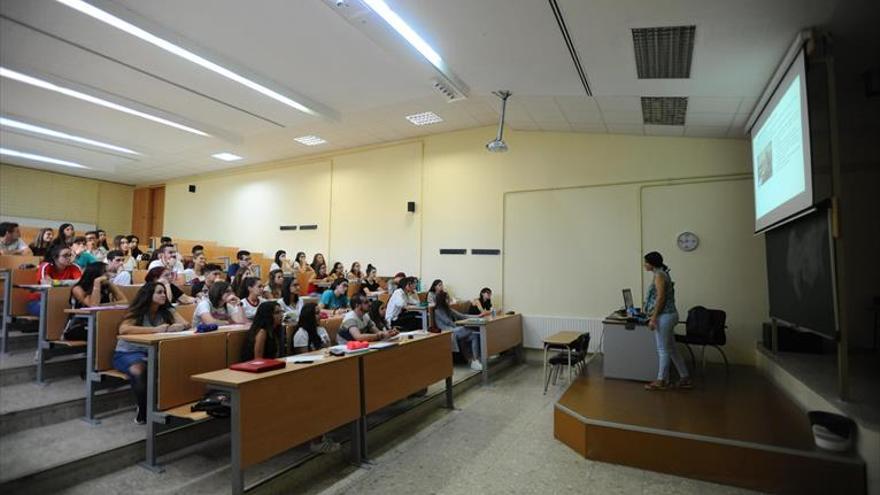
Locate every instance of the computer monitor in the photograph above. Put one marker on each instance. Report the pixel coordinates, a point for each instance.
(627, 298)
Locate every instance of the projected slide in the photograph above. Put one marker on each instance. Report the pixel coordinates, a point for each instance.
(778, 153)
(781, 151)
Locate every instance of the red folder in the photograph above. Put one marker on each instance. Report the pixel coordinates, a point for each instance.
(258, 365)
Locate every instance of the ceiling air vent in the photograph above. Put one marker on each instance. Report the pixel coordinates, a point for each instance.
(664, 52)
(447, 90)
(664, 110)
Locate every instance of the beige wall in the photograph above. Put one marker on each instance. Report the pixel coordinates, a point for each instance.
(37, 194)
(358, 199)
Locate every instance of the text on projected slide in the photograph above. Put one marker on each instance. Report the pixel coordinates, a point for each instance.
(778, 153)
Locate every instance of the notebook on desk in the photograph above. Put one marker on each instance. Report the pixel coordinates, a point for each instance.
(258, 365)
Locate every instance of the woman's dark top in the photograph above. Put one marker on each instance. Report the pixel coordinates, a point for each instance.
(38, 251)
(370, 286)
(270, 348)
(474, 310)
(175, 293)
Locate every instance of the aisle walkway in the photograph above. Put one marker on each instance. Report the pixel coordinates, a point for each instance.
(502, 442)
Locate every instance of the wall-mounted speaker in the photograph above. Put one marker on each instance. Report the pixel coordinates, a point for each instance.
(411, 206)
(192, 188)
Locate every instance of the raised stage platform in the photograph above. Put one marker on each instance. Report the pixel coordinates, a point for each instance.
(737, 429)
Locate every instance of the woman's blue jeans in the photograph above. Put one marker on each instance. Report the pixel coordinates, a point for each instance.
(666, 349)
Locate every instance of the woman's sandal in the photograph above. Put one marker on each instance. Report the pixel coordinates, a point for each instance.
(685, 383)
(656, 385)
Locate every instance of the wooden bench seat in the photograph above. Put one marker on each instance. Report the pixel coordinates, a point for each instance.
(185, 412)
(114, 373)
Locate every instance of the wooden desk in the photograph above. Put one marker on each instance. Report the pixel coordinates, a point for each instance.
(497, 334)
(182, 360)
(317, 398)
(93, 379)
(563, 340)
(6, 315)
(394, 373)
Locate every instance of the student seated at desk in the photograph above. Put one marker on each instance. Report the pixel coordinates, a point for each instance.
(243, 260)
(115, 269)
(94, 288)
(335, 298)
(265, 337)
(276, 283)
(150, 312)
(134, 250)
(197, 270)
(65, 235)
(377, 315)
(310, 336)
(221, 307)
(166, 276)
(58, 266)
(201, 285)
(10, 240)
(468, 339)
(166, 256)
(320, 276)
(300, 264)
(356, 324)
(437, 286)
(482, 305)
(291, 304)
(251, 295)
(102, 246)
(42, 242)
(93, 247)
(281, 262)
(338, 271)
(317, 261)
(81, 255)
(355, 274)
(395, 311)
(395, 281)
(369, 284)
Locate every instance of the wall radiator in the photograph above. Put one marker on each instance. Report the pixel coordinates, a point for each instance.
(536, 328)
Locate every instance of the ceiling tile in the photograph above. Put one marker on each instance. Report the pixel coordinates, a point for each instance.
(705, 104)
(619, 103)
(715, 119)
(631, 117)
(592, 128)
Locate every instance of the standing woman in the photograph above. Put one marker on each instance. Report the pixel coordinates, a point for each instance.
(662, 318)
(150, 312)
(264, 336)
(42, 242)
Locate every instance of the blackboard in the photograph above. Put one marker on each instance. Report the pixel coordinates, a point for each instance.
(799, 273)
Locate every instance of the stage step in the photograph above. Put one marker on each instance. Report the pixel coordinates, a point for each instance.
(28, 405)
(736, 430)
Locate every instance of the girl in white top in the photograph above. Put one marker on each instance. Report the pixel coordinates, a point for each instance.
(221, 307)
(310, 336)
(251, 295)
(198, 269)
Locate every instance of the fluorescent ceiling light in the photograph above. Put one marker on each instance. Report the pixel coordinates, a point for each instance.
(226, 157)
(33, 81)
(62, 135)
(424, 118)
(402, 28)
(310, 140)
(39, 158)
(106, 17)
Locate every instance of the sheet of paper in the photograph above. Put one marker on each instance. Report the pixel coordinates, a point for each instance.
(381, 345)
(305, 358)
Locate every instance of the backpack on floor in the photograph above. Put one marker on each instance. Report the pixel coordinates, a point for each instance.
(215, 403)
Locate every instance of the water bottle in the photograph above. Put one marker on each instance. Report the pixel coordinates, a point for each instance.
(493, 312)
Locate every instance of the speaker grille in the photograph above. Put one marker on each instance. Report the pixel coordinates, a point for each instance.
(664, 110)
(664, 52)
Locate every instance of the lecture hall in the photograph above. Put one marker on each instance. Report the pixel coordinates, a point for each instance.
(439, 246)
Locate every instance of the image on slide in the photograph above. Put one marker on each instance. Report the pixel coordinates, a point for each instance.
(765, 164)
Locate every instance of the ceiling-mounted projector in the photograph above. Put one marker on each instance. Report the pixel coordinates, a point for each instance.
(498, 145)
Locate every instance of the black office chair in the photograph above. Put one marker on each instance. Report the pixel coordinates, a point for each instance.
(578, 359)
(705, 328)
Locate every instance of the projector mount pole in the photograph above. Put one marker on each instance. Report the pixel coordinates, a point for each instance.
(504, 95)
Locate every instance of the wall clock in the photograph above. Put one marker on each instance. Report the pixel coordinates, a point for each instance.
(688, 241)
